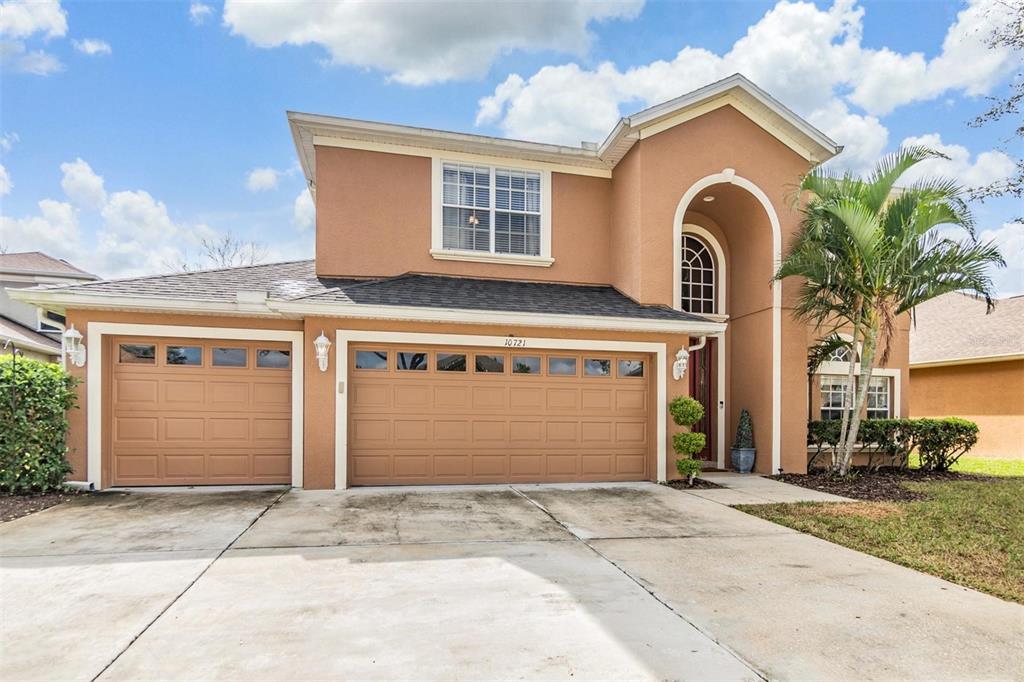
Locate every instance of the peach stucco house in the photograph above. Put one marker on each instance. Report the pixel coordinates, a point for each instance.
(497, 311)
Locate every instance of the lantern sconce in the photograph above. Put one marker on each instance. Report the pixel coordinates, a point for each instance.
(322, 344)
(73, 346)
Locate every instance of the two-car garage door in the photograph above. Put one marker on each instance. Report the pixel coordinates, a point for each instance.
(199, 411)
(443, 414)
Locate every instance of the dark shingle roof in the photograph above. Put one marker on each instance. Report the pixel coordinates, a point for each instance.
(297, 281)
(434, 291)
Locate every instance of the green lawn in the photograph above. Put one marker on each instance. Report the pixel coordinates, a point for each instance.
(968, 532)
(987, 467)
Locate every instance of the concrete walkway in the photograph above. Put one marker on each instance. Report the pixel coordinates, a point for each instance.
(634, 581)
(756, 489)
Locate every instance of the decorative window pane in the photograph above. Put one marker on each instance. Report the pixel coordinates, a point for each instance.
(841, 354)
(597, 368)
(137, 353)
(230, 357)
(411, 361)
(371, 359)
(525, 364)
(697, 291)
(878, 398)
(565, 367)
(834, 396)
(451, 362)
(472, 221)
(184, 355)
(631, 368)
(273, 359)
(490, 363)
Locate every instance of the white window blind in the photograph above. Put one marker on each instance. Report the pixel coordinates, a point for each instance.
(495, 210)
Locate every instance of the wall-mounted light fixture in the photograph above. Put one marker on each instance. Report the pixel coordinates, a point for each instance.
(73, 346)
(322, 344)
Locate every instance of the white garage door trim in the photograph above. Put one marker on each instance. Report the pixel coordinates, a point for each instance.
(94, 378)
(346, 336)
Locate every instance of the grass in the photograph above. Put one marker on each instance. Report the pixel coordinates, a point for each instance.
(984, 467)
(968, 532)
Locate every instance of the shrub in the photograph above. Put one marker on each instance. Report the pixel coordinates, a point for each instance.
(34, 397)
(889, 442)
(685, 410)
(744, 432)
(941, 442)
(688, 468)
(688, 443)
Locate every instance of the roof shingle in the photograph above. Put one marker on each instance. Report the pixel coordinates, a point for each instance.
(955, 327)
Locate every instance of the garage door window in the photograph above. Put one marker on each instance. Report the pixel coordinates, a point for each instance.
(371, 359)
(184, 355)
(137, 354)
(490, 364)
(525, 364)
(451, 362)
(273, 359)
(562, 367)
(412, 361)
(631, 368)
(230, 357)
(597, 368)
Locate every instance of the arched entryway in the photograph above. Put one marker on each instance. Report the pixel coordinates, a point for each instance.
(737, 223)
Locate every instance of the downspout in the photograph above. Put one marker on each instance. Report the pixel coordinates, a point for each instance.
(700, 344)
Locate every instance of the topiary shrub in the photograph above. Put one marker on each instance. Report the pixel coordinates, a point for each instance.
(744, 432)
(34, 397)
(686, 411)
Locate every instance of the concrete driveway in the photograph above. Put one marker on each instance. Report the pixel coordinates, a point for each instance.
(619, 581)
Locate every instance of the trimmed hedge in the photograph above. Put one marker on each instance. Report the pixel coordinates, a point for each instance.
(34, 398)
(889, 442)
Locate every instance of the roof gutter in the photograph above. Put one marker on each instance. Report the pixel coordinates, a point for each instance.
(977, 360)
(492, 317)
(60, 301)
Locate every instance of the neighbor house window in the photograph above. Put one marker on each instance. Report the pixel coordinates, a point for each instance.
(697, 292)
(492, 210)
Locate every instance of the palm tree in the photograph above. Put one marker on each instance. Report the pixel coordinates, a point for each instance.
(868, 252)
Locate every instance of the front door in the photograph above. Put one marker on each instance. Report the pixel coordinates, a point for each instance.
(702, 388)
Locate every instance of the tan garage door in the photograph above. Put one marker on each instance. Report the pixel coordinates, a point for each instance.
(190, 411)
(471, 415)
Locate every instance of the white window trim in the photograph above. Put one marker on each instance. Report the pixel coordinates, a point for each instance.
(343, 337)
(437, 249)
(720, 278)
(95, 413)
(843, 368)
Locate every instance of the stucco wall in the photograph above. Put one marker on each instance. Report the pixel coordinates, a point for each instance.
(990, 394)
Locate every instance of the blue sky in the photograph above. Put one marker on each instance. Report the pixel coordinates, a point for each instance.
(129, 131)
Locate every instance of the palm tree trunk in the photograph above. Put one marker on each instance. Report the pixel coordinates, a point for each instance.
(848, 396)
(866, 361)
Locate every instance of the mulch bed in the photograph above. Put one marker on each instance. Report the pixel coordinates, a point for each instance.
(884, 485)
(16, 506)
(680, 484)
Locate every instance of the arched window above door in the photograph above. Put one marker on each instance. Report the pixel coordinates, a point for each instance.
(698, 277)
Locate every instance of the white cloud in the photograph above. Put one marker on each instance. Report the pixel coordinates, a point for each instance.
(987, 167)
(810, 59)
(8, 140)
(304, 212)
(14, 57)
(25, 19)
(262, 179)
(5, 182)
(198, 12)
(422, 43)
(82, 185)
(54, 230)
(92, 46)
(1010, 239)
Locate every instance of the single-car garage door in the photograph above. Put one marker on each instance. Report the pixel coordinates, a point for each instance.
(422, 415)
(191, 411)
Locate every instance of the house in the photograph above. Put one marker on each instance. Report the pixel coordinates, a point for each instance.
(479, 310)
(27, 328)
(966, 363)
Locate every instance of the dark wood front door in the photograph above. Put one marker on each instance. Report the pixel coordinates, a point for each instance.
(702, 388)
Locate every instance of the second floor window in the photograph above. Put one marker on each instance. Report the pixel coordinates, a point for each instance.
(493, 210)
(697, 277)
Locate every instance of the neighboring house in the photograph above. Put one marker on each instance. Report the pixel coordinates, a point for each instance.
(35, 333)
(498, 311)
(966, 363)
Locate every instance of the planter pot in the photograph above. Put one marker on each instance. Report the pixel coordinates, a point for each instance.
(743, 459)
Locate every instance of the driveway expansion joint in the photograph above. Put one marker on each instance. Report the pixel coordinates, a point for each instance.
(189, 586)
